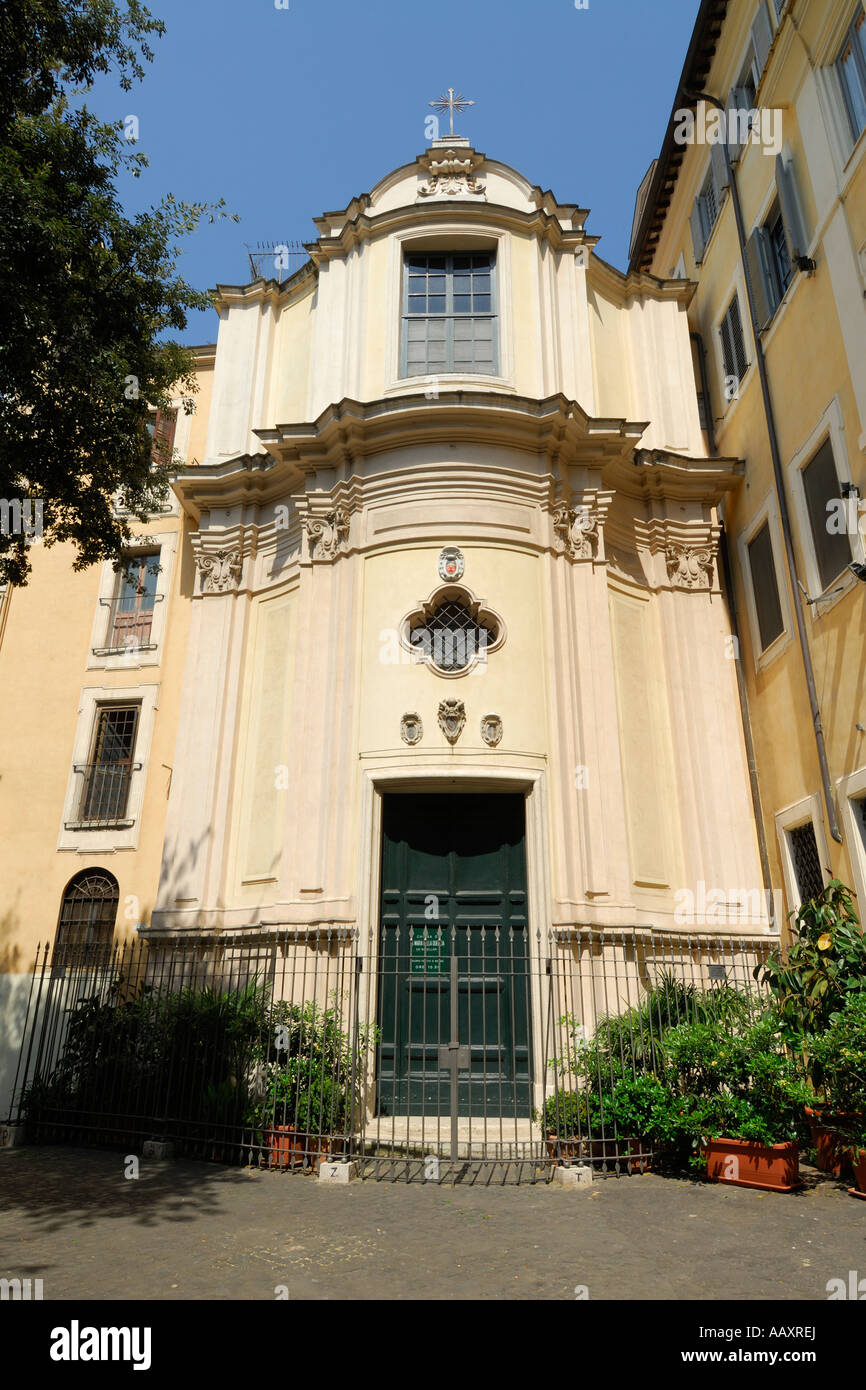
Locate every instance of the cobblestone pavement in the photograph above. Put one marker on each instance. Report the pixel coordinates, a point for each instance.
(199, 1231)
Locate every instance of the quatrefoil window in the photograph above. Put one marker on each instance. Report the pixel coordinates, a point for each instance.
(452, 632)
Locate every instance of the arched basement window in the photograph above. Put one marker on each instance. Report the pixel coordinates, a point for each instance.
(85, 928)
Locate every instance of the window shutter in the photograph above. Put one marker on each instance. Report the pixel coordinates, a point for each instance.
(727, 350)
(697, 224)
(719, 167)
(163, 435)
(738, 100)
(762, 292)
(736, 103)
(741, 362)
(762, 36)
(789, 201)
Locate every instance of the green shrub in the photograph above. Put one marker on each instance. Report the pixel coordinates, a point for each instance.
(823, 968)
(837, 1061)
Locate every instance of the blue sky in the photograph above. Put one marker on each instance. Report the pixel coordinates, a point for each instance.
(287, 113)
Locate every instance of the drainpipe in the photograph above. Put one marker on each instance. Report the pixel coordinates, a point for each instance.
(781, 497)
(735, 632)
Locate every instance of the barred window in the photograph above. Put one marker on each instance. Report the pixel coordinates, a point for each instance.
(85, 927)
(451, 638)
(807, 861)
(107, 776)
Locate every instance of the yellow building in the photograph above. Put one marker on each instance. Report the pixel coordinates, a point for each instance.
(786, 299)
(432, 640)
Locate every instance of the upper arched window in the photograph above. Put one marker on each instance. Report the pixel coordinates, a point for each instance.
(85, 929)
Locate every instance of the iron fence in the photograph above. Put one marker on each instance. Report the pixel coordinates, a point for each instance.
(448, 1053)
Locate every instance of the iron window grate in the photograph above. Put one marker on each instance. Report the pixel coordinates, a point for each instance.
(87, 914)
(452, 638)
(807, 861)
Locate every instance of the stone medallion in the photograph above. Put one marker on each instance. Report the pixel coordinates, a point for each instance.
(451, 564)
(452, 718)
(411, 729)
(491, 729)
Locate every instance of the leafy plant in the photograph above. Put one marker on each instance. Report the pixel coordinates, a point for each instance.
(837, 1061)
(823, 968)
(741, 1084)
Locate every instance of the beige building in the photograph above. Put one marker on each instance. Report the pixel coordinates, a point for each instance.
(445, 528)
(792, 79)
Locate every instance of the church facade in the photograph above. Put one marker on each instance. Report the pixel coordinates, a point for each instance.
(437, 632)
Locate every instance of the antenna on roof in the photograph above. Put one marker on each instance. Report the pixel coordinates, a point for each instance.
(275, 260)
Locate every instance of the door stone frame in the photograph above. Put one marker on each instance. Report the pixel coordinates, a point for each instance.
(469, 777)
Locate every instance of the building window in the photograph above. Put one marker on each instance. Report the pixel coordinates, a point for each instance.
(85, 928)
(161, 427)
(821, 486)
(130, 611)
(709, 200)
(780, 260)
(860, 816)
(452, 637)
(851, 67)
(733, 348)
(105, 788)
(765, 587)
(807, 861)
(449, 314)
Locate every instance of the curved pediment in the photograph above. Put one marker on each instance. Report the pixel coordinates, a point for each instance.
(450, 172)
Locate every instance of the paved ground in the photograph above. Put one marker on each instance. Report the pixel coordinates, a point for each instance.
(199, 1231)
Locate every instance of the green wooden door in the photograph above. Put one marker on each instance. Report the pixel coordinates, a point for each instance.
(454, 882)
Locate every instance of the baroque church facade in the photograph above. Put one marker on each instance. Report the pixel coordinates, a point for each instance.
(439, 624)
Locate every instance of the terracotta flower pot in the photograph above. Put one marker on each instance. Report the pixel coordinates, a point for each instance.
(773, 1167)
(831, 1153)
(292, 1148)
(859, 1190)
(608, 1150)
(285, 1147)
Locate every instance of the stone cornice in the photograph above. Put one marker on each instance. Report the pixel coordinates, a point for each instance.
(554, 427)
(621, 289)
(662, 473)
(364, 226)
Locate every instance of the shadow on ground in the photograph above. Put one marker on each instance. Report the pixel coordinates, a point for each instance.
(53, 1185)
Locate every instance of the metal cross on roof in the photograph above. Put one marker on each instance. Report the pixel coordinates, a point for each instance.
(451, 103)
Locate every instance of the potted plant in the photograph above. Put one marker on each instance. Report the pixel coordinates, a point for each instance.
(566, 1124)
(302, 1101)
(741, 1102)
(837, 1058)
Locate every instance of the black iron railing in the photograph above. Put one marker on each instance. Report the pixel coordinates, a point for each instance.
(443, 1050)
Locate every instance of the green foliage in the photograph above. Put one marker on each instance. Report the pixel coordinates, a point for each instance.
(627, 1044)
(566, 1114)
(200, 1062)
(740, 1084)
(305, 1071)
(174, 1057)
(837, 1059)
(87, 294)
(823, 968)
